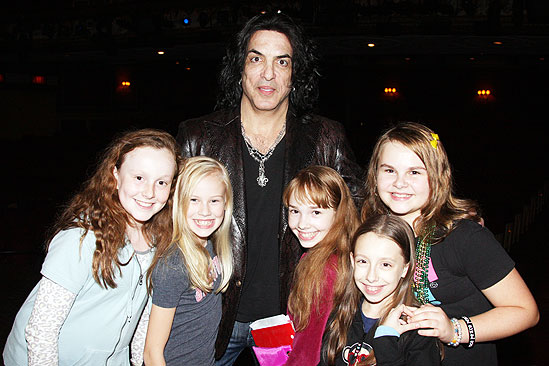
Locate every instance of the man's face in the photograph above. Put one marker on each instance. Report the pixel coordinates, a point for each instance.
(267, 75)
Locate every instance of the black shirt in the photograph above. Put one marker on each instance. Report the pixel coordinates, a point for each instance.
(260, 296)
(466, 262)
(410, 349)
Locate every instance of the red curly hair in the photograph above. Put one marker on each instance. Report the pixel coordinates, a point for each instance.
(96, 206)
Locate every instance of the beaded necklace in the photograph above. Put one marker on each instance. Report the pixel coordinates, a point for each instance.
(421, 273)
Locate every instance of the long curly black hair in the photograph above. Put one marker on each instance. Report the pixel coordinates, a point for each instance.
(305, 74)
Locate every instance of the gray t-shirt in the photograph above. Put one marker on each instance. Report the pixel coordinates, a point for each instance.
(197, 314)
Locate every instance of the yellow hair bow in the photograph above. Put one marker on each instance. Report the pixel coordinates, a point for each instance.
(435, 140)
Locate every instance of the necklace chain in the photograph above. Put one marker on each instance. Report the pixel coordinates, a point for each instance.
(262, 179)
(420, 284)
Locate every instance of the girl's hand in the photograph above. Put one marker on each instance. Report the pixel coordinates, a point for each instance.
(432, 322)
(395, 321)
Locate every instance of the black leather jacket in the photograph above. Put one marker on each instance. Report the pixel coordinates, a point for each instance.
(309, 141)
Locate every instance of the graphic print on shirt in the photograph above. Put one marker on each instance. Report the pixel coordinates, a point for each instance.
(214, 273)
(355, 353)
(432, 277)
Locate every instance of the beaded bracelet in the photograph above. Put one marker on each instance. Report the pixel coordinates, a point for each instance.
(471, 330)
(457, 333)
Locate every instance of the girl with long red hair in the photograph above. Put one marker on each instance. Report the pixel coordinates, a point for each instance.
(87, 306)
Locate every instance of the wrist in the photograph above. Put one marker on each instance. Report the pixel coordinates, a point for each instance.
(464, 333)
(469, 331)
(457, 333)
(386, 330)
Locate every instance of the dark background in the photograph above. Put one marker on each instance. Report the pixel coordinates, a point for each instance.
(437, 54)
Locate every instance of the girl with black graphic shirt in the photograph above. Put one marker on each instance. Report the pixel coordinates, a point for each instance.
(367, 325)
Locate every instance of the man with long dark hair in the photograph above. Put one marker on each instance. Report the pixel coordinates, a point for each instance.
(264, 133)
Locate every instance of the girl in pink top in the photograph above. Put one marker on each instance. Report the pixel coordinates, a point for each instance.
(322, 215)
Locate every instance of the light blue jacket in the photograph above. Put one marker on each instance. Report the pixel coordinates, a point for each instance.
(101, 322)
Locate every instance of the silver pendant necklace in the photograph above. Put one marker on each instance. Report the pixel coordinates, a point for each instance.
(259, 157)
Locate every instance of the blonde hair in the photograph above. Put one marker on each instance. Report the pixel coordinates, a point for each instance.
(195, 255)
(324, 187)
(443, 207)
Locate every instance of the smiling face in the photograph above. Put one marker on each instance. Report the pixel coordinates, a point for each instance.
(267, 75)
(206, 207)
(309, 222)
(378, 266)
(143, 182)
(402, 181)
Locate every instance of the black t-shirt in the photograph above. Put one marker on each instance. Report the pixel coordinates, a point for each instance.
(260, 296)
(467, 261)
(410, 349)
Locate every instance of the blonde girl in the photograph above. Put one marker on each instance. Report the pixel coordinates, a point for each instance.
(189, 274)
(86, 307)
(322, 215)
(471, 291)
(367, 326)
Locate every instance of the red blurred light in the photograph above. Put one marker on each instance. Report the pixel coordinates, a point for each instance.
(38, 79)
